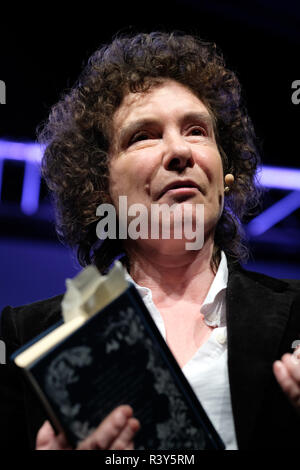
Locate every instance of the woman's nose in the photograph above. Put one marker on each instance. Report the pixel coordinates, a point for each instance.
(177, 154)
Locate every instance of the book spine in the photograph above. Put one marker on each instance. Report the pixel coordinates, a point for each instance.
(44, 401)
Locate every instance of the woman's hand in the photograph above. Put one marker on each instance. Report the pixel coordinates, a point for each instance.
(287, 373)
(115, 432)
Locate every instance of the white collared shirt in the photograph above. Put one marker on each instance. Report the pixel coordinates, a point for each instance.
(207, 370)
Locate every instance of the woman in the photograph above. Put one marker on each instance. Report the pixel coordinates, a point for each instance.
(158, 118)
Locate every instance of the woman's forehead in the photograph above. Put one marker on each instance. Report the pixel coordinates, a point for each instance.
(163, 98)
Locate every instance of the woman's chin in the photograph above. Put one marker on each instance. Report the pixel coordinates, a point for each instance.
(169, 246)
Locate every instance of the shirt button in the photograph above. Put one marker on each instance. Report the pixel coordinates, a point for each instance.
(221, 336)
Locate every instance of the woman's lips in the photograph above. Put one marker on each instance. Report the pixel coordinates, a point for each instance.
(180, 187)
(180, 194)
(182, 190)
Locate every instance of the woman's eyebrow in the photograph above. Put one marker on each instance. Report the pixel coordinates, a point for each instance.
(203, 117)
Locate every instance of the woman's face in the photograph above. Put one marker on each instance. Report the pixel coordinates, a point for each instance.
(164, 151)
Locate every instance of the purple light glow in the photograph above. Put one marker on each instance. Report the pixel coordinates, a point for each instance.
(274, 214)
(1, 171)
(31, 188)
(281, 178)
(30, 152)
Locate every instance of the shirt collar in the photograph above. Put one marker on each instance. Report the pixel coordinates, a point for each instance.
(213, 307)
(144, 291)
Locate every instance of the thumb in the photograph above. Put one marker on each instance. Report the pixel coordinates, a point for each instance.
(47, 439)
(44, 436)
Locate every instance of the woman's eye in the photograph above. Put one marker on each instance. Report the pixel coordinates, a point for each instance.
(198, 131)
(138, 138)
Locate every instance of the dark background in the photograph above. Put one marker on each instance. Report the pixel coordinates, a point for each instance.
(41, 55)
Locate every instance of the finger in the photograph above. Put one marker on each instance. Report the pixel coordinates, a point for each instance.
(125, 438)
(286, 381)
(108, 430)
(293, 366)
(47, 439)
(45, 435)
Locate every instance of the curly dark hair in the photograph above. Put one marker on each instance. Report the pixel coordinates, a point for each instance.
(77, 135)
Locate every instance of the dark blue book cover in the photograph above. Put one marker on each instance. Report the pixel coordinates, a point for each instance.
(119, 357)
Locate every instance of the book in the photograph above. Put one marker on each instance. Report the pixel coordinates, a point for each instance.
(107, 351)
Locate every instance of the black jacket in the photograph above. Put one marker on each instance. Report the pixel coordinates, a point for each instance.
(263, 320)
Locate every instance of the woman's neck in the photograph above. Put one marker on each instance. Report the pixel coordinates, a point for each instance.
(172, 277)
